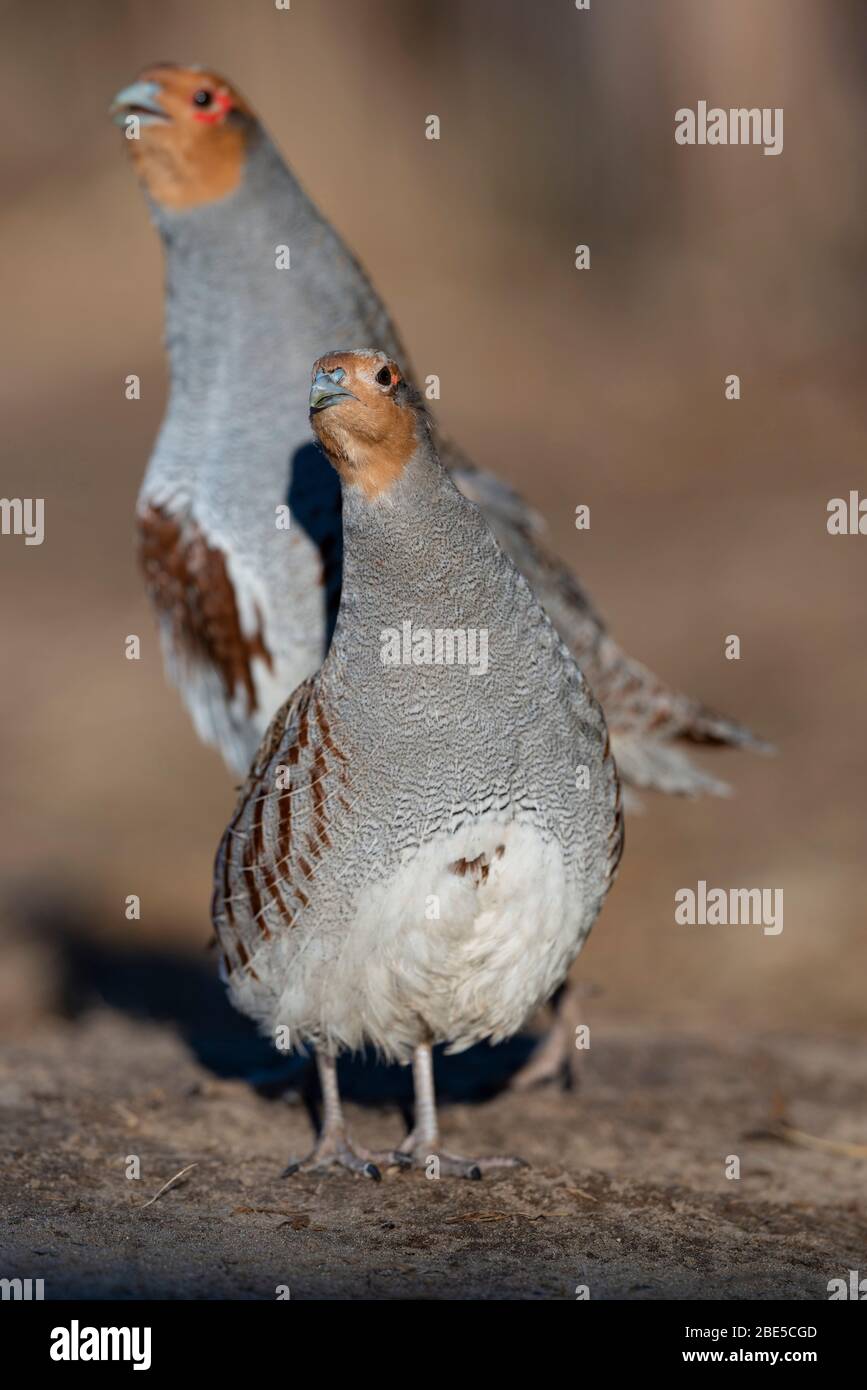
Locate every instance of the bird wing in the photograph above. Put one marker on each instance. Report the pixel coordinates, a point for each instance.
(208, 654)
(269, 854)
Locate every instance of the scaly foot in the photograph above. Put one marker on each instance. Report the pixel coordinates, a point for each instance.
(334, 1150)
(437, 1162)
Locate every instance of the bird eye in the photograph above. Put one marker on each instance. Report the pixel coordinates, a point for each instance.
(383, 376)
(203, 97)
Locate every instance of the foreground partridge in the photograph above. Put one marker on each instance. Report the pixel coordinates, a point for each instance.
(246, 608)
(433, 821)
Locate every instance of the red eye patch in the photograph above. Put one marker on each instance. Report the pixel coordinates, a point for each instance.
(220, 107)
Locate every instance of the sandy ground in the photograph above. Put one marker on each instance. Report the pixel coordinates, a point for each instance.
(626, 1193)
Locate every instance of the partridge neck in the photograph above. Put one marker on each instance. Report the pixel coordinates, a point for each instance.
(420, 554)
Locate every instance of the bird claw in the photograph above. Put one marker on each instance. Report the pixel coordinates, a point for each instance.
(336, 1151)
(449, 1165)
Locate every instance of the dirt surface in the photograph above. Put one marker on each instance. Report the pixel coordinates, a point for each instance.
(626, 1193)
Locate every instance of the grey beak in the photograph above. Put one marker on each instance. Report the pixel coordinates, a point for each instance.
(326, 389)
(140, 99)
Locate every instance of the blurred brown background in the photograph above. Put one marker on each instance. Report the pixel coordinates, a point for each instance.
(603, 387)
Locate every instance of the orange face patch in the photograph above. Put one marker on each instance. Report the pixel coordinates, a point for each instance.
(194, 151)
(371, 435)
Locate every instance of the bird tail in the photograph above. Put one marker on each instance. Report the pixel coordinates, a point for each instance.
(649, 723)
(654, 765)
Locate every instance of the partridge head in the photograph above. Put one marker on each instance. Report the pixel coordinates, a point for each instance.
(188, 131)
(373, 435)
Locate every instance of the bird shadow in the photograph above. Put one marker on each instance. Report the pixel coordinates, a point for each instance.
(316, 503)
(183, 991)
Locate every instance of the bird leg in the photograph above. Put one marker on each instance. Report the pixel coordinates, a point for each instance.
(333, 1148)
(555, 1058)
(422, 1144)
